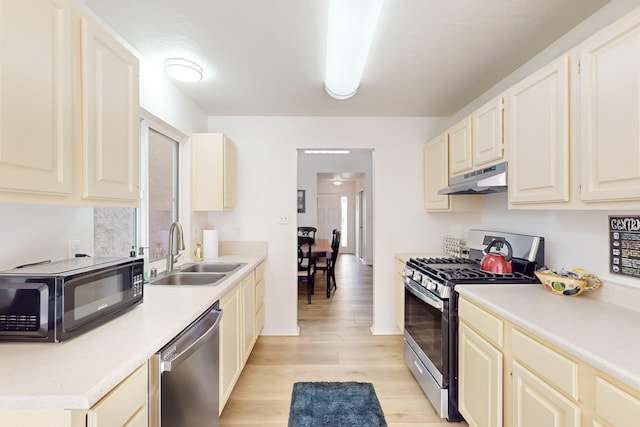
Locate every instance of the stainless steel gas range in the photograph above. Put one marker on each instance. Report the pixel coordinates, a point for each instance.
(430, 309)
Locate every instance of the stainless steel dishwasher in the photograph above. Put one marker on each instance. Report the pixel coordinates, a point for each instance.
(184, 376)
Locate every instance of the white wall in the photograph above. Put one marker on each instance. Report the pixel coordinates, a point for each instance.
(267, 183)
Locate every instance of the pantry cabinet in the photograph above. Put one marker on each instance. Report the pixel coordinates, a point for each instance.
(610, 113)
(110, 116)
(69, 109)
(537, 136)
(36, 115)
(213, 172)
(436, 177)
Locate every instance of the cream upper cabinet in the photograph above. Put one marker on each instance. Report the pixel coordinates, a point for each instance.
(213, 172)
(436, 177)
(436, 173)
(36, 95)
(69, 124)
(610, 113)
(487, 133)
(537, 136)
(460, 148)
(110, 136)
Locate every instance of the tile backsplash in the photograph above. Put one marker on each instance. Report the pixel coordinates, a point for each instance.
(113, 231)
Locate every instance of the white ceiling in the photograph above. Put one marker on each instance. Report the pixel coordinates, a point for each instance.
(266, 57)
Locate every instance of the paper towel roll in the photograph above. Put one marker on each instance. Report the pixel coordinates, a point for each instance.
(210, 244)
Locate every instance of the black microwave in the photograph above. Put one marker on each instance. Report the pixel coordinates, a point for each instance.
(56, 301)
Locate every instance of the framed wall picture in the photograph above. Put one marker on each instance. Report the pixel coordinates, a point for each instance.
(301, 201)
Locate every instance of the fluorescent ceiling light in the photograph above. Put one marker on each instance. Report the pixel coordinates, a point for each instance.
(350, 30)
(183, 70)
(326, 151)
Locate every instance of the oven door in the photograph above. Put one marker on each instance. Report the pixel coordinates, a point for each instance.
(426, 329)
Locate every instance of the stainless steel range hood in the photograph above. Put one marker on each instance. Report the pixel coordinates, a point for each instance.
(492, 179)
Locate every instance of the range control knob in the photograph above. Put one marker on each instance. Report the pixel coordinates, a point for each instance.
(432, 286)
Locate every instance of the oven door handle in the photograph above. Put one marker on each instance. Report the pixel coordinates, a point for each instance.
(431, 300)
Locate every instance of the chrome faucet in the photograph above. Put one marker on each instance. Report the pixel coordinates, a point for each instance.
(171, 257)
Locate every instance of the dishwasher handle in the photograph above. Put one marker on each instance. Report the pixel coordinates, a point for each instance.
(190, 340)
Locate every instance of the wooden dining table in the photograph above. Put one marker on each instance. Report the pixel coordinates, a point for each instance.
(319, 248)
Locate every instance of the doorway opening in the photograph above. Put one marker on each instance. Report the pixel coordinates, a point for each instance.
(338, 191)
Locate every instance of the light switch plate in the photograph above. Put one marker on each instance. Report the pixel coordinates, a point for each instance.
(283, 219)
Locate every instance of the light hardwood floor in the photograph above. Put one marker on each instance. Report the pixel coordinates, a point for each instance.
(335, 344)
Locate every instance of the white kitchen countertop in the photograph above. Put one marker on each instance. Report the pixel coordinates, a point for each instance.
(77, 373)
(599, 333)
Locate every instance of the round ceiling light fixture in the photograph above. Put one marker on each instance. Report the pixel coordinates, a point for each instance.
(183, 70)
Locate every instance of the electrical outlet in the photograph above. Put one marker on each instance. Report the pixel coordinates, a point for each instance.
(74, 248)
(283, 219)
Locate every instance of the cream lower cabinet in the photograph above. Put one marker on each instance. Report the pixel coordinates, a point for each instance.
(615, 405)
(480, 366)
(242, 317)
(537, 404)
(124, 406)
(536, 385)
(230, 342)
(259, 298)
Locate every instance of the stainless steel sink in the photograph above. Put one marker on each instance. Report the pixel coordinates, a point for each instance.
(212, 267)
(188, 279)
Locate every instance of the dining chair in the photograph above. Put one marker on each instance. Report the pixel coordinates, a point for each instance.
(306, 264)
(307, 232)
(327, 264)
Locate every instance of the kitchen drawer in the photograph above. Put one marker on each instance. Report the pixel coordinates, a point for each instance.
(485, 323)
(555, 368)
(123, 403)
(259, 272)
(615, 406)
